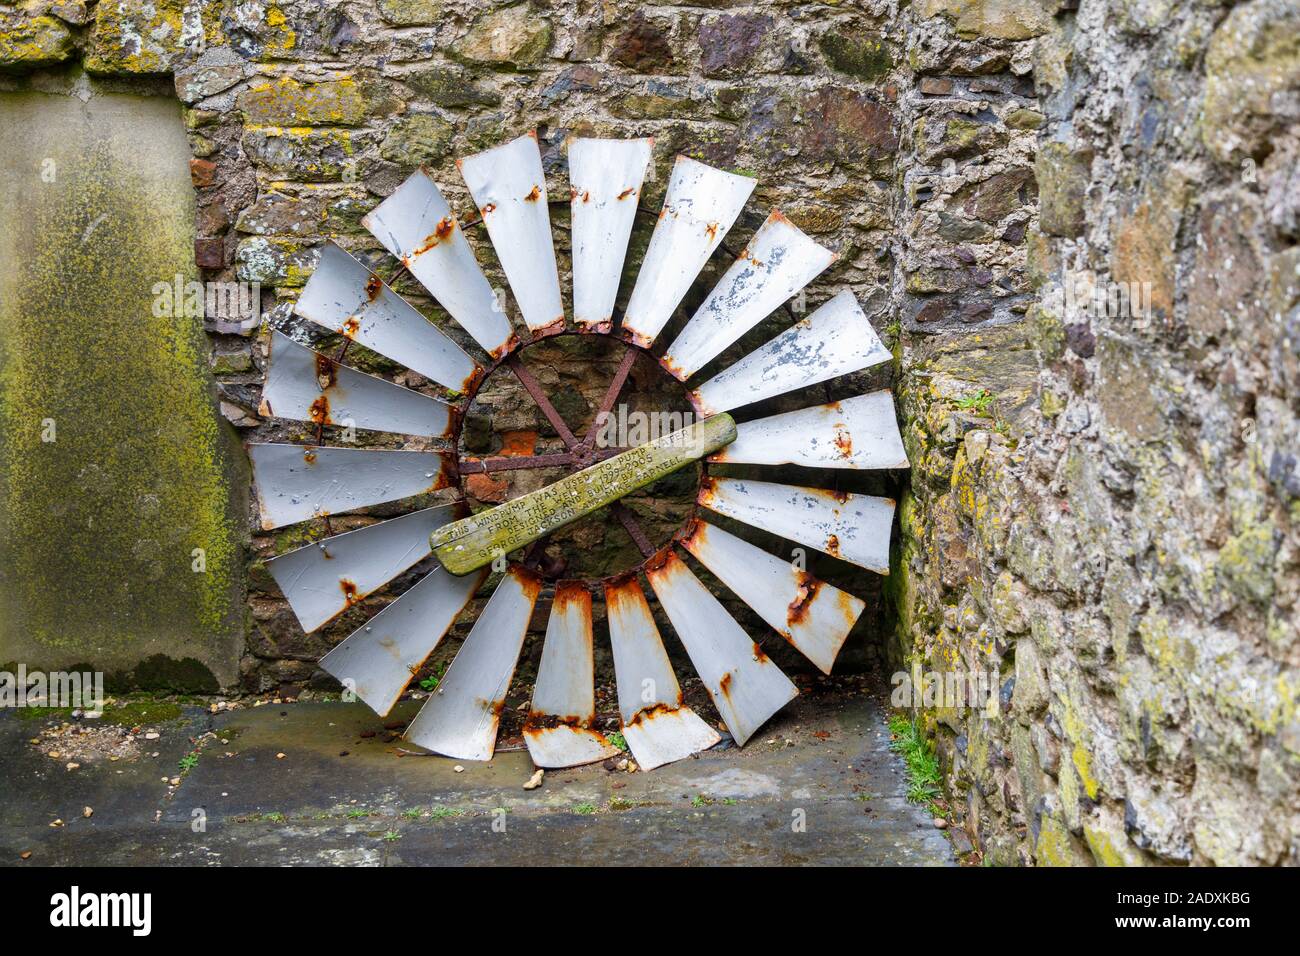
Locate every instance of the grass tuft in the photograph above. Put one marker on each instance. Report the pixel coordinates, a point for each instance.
(923, 777)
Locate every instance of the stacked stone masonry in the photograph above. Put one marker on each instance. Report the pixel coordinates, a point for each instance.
(1102, 507)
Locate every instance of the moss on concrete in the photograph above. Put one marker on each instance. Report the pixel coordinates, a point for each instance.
(101, 527)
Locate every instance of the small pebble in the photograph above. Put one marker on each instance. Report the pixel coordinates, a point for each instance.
(87, 812)
(25, 855)
(458, 768)
(940, 823)
(279, 756)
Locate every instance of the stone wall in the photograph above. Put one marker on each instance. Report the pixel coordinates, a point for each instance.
(1104, 502)
(1101, 507)
(303, 116)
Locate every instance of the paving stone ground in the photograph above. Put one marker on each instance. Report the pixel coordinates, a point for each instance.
(337, 797)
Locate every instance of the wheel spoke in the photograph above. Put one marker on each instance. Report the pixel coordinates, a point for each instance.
(534, 388)
(611, 396)
(478, 466)
(633, 528)
(563, 459)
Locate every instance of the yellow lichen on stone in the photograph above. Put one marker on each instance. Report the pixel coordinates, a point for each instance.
(134, 37)
(1056, 847)
(28, 43)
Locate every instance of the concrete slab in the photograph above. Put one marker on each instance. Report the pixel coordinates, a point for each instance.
(817, 786)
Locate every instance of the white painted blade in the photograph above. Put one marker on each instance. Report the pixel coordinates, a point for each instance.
(605, 177)
(814, 616)
(657, 726)
(304, 385)
(746, 687)
(835, 340)
(345, 297)
(778, 262)
(378, 659)
(859, 432)
(509, 188)
(416, 225)
(700, 206)
(460, 718)
(324, 579)
(854, 528)
(298, 482)
(558, 730)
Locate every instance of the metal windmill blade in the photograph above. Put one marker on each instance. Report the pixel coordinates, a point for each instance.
(301, 482)
(658, 727)
(509, 188)
(746, 687)
(835, 340)
(344, 296)
(378, 659)
(416, 225)
(853, 527)
(305, 385)
(558, 731)
(298, 482)
(324, 579)
(461, 716)
(699, 208)
(859, 432)
(811, 614)
(778, 262)
(605, 177)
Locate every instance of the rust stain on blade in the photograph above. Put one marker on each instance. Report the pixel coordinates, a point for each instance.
(554, 327)
(747, 687)
(814, 617)
(462, 717)
(659, 729)
(445, 227)
(319, 410)
(349, 589)
(501, 351)
(647, 714)
(326, 371)
(693, 533)
(805, 594)
(569, 594)
(831, 494)
(707, 492)
(304, 385)
(843, 442)
(558, 730)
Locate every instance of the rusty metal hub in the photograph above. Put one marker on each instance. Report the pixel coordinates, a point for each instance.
(580, 451)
